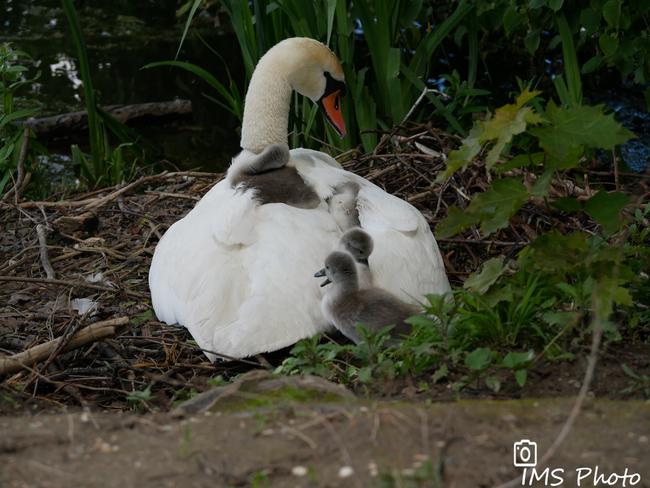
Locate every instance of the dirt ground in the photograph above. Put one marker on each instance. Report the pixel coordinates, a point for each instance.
(261, 436)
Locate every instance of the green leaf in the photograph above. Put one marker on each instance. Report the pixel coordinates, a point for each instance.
(500, 203)
(608, 44)
(492, 270)
(479, 359)
(531, 41)
(493, 383)
(512, 19)
(521, 376)
(567, 204)
(612, 12)
(590, 20)
(542, 186)
(557, 253)
(594, 63)
(579, 125)
(440, 373)
(555, 4)
(535, 4)
(456, 221)
(606, 207)
(507, 122)
(460, 158)
(518, 360)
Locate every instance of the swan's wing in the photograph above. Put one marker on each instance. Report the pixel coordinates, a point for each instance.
(406, 259)
(196, 274)
(282, 304)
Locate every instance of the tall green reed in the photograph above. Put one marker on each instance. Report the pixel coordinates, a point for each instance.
(107, 164)
(381, 91)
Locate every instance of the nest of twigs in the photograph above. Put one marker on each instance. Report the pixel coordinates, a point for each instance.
(76, 324)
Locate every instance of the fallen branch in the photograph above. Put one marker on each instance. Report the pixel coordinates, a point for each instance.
(40, 231)
(37, 354)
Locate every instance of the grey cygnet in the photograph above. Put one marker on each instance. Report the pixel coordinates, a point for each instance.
(345, 305)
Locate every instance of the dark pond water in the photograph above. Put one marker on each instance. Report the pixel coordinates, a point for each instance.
(122, 37)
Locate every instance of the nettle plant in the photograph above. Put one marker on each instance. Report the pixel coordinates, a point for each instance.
(588, 271)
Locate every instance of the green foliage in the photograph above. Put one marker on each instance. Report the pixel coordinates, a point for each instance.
(139, 399)
(562, 133)
(106, 166)
(12, 77)
(638, 381)
(610, 33)
(400, 55)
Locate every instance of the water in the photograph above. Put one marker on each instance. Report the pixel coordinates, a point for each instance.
(122, 37)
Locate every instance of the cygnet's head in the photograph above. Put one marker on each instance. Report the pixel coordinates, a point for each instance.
(339, 266)
(358, 243)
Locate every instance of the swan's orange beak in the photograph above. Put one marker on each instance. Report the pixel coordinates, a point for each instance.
(331, 105)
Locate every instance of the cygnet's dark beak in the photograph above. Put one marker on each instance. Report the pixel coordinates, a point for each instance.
(363, 261)
(321, 273)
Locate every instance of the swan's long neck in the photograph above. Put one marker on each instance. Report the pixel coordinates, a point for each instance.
(266, 110)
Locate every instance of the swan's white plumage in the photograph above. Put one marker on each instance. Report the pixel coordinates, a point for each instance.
(239, 275)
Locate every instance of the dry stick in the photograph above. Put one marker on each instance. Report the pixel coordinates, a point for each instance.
(40, 231)
(92, 333)
(80, 284)
(103, 201)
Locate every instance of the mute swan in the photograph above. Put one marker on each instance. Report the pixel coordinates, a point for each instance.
(344, 305)
(236, 272)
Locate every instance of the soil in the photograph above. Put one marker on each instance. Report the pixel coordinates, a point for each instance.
(102, 414)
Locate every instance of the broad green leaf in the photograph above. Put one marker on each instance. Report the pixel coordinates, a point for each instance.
(479, 359)
(521, 376)
(493, 383)
(440, 373)
(555, 4)
(499, 203)
(612, 12)
(512, 19)
(497, 294)
(460, 158)
(594, 63)
(557, 253)
(507, 122)
(567, 204)
(517, 360)
(542, 186)
(526, 96)
(590, 20)
(579, 125)
(531, 41)
(480, 283)
(456, 221)
(605, 208)
(563, 319)
(535, 4)
(608, 44)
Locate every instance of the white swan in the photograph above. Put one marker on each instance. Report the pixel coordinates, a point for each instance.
(238, 273)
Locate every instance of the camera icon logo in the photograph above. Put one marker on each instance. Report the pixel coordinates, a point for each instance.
(525, 454)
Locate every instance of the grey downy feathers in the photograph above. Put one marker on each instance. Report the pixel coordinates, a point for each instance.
(345, 305)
